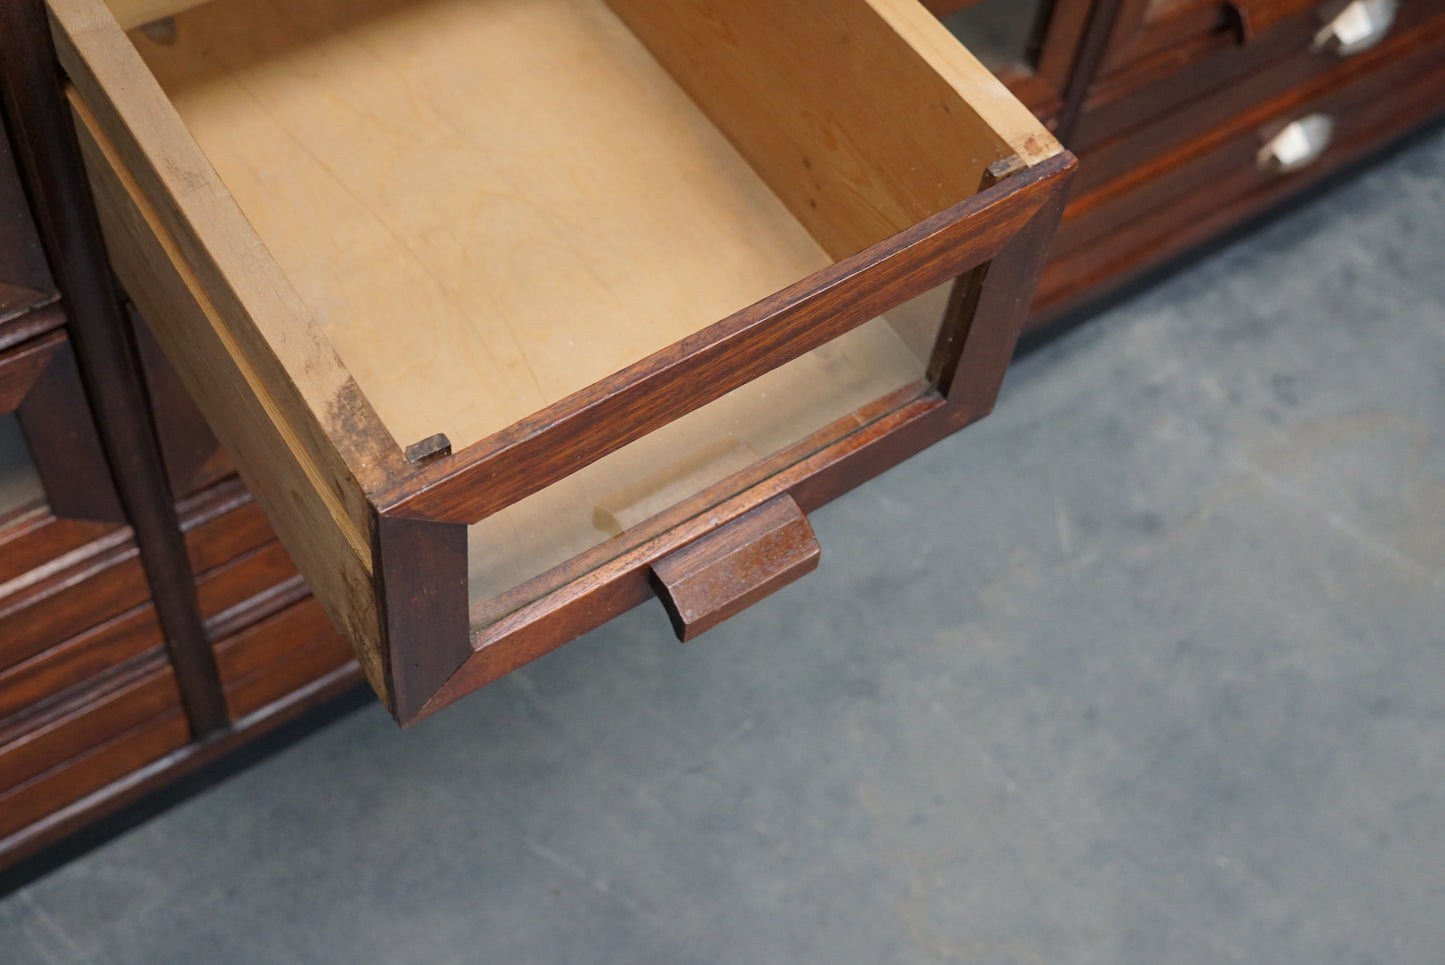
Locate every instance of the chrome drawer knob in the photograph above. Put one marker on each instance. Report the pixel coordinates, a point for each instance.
(1299, 145)
(1360, 26)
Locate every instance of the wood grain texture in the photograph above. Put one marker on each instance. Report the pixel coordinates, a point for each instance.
(234, 582)
(283, 480)
(75, 662)
(56, 602)
(263, 373)
(221, 524)
(35, 538)
(602, 584)
(864, 117)
(582, 428)
(49, 793)
(422, 584)
(20, 367)
(193, 456)
(274, 658)
(50, 163)
(50, 826)
(735, 566)
(44, 740)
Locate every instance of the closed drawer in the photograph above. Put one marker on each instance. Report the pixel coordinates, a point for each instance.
(1211, 184)
(278, 655)
(538, 294)
(1128, 121)
(53, 758)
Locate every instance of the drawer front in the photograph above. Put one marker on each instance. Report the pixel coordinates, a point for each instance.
(76, 662)
(56, 754)
(1125, 125)
(1182, 201)
(788, 200)
(279, 655)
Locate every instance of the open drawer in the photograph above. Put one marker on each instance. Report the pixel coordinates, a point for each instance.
(514, 312)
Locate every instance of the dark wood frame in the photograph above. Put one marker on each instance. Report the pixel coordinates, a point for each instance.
(993, 244)
(48, 160)
(41, 385)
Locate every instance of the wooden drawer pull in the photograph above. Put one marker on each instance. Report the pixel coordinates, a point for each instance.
(735, 566)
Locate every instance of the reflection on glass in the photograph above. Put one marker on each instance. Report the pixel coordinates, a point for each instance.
(19, 482)
(999, 32)
(699, 450)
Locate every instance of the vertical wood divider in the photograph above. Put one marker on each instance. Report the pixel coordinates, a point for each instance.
(50, 166)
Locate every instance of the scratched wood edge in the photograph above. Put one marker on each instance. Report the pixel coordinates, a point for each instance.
(288, 361)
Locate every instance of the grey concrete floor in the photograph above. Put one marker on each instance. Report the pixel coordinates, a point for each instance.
(1147, 668)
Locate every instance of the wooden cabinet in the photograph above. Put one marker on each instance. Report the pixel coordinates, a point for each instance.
(496, 369)
(615, 347)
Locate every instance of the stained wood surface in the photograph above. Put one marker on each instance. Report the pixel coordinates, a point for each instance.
(731, 568)
(29, 747)
(73, 662)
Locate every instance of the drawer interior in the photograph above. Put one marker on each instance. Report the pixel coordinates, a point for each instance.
(488, 206)
(363, 223)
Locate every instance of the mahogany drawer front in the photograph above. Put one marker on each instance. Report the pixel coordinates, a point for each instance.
(279, 655)
(76, 662)
(100, 581)
(1117, 132)
(610, 347)
(38, 746)
(1187, 199)
(49, 795)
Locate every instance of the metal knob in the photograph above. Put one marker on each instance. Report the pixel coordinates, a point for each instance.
(1360, 26)
(1299, 145)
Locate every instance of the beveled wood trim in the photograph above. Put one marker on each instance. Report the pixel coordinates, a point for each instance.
(988, 309)
(130, 788)
(587, 425)
(421, 581)
(39, 383)
(64, 445)
(49, 160)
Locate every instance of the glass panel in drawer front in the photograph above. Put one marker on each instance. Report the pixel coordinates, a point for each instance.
(1000, 33)
(698, 451)
(20, 486)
